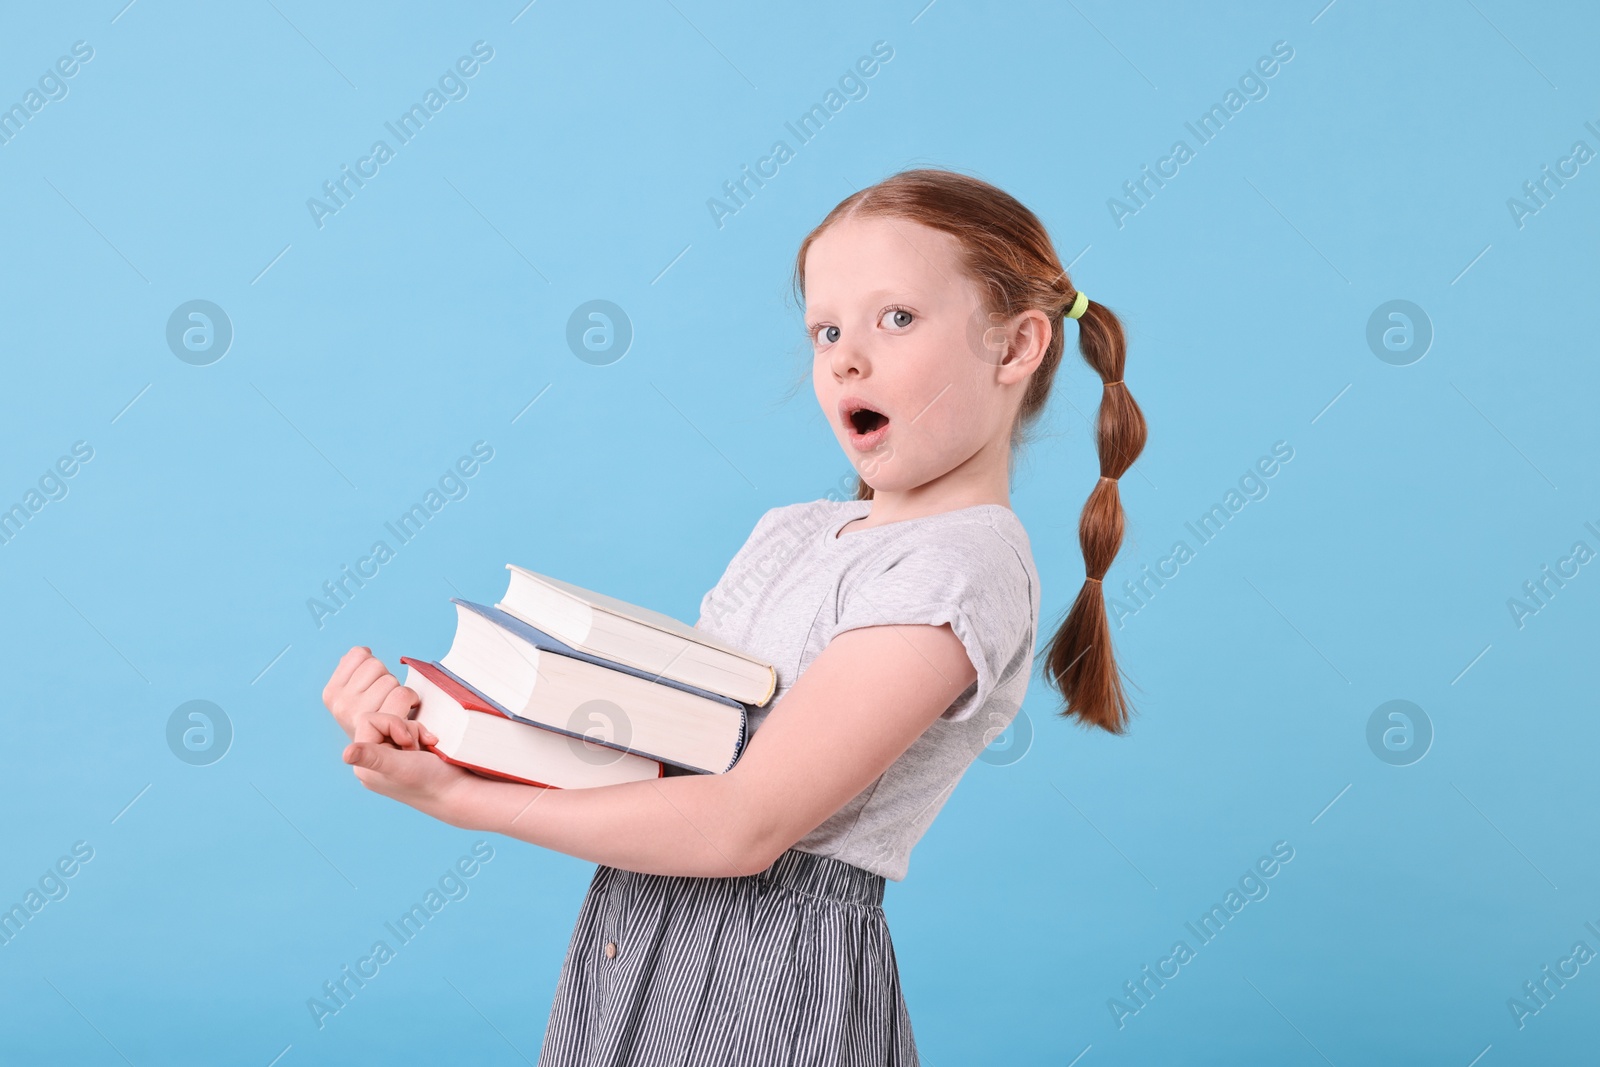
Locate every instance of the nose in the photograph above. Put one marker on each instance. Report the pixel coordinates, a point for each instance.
(847, 360)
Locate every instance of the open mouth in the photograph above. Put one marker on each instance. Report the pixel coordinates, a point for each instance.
(867, 425)
(865, 420)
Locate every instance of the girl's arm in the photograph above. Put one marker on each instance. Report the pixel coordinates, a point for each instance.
(861, 703)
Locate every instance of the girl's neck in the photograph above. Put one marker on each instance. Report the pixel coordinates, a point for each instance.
(958, 488)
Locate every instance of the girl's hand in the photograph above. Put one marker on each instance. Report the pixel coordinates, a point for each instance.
(362, 686)
(388, 759)
(407, 734)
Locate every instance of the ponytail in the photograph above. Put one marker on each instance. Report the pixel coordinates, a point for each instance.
(1080, 663)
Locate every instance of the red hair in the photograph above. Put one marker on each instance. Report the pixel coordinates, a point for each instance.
(1006, 250)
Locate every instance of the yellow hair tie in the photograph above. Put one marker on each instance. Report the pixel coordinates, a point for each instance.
(1080, 303)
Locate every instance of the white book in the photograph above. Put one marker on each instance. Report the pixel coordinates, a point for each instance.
(474, 735)
(615, 630)
(535, 677)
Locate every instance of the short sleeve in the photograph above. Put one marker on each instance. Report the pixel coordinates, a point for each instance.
(968, 576)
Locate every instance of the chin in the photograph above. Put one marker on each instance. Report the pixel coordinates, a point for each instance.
(882, 482)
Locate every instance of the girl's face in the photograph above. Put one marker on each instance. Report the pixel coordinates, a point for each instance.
(900, 368)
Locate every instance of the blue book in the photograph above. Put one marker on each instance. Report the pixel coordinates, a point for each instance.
(603, 705)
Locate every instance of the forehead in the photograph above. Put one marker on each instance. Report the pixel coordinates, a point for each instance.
(859, 258)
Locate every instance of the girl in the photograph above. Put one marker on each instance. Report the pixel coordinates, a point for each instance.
(737, 918)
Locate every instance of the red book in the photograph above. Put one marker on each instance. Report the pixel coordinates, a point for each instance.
(476, 735)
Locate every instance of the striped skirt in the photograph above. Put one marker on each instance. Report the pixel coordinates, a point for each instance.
(790, 966)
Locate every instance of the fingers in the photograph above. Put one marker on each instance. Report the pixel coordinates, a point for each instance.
(367, 674)
(344, 669)
(379, 759)
(365, 687)
(370, 699)
(400, 702)
(373, 729)
(416, 733)
(348, 663)
(357, 672)
(367, 730)
(381, 728)
(367, 756)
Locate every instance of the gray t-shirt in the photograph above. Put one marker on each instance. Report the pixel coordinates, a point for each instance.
(794, 585)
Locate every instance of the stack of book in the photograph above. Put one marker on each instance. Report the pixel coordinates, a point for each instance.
(562, 687)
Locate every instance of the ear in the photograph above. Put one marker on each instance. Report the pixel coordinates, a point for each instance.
(1028, 336)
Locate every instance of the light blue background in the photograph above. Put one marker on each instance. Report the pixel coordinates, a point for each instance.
(428, 313)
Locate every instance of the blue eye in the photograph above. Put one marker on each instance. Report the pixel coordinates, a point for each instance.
(900, 318)
(831, 333)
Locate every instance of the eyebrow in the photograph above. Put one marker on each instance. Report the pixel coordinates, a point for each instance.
(906, 294)
(881, 293)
